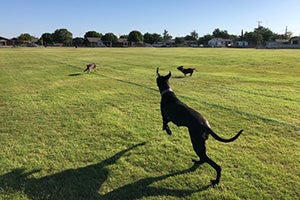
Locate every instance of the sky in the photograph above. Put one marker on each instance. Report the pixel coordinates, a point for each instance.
(178, 17)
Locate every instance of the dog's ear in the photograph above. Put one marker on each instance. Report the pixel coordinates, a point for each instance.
(168, 75)
(157, 74)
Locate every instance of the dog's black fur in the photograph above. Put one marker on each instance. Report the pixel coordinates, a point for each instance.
(173, 110)
(91, 67)
(186, 71)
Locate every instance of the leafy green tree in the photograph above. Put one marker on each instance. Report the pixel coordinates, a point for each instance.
(179, 41)
(46, 38)
(267, 34)
(92, 34)
(78, 41)
(148, 38)
(157, 37)
(135, 36)
(204, 40)
(253, 38)
(109, 38)
(194, 35)
(189, 38)
(25, 37)
(123, 36)
(166, 36)
(62, 36)
(217, 33)
(260, 35)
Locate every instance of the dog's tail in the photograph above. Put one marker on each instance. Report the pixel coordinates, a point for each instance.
(214, 135)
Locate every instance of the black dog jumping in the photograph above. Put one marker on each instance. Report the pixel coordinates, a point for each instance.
(186, 71)
(173, 110)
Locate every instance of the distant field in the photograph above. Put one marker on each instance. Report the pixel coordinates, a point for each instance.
(65, 134)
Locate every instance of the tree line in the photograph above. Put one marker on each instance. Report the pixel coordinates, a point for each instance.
(63, 36)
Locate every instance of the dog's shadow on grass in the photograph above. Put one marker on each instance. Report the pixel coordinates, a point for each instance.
(178, 77)
(75, 74)
(84, 183)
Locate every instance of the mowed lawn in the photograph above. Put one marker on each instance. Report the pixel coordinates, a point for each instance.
(65, 134)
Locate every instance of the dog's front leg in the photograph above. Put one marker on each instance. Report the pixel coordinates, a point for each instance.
(167, 128)
(165, 124)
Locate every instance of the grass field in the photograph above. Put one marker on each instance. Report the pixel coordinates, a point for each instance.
(69, 135)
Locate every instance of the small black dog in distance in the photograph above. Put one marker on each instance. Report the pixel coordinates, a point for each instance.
(187, 70)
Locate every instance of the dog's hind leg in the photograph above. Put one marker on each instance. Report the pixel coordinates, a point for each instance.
(218, 170)
(200, 149)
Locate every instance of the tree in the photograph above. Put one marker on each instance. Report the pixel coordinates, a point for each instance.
(188, 38)
(260, 35)
(62, 36)
(92, 34)
(46, 38)
(221, 34)
(148, 38)
(109, 38)
(194, 35)
(166, 36)
(135, 36)
(123, 36)
(253, 38)
(267, 34)
(25, 37)
(157, 37)
(152, 38)
(204, 40)
(179, 41)
(78, 41)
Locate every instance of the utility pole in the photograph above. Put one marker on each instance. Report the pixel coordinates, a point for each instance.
(286, 30)
(258, 24)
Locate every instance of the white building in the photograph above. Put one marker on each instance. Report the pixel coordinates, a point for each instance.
(220, 42)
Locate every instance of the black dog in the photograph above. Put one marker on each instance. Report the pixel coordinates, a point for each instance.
(186, 71)
(172, 109)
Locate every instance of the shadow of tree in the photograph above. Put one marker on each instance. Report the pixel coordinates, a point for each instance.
(84, 183)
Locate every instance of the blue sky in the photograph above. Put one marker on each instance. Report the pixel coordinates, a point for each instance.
(178, 17)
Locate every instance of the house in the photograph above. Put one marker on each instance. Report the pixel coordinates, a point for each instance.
(122, 42)
(293, 43)
(167, 43)
(220, 42)
(295, 40)
(6, 42)
(95, 42)
(240, 43)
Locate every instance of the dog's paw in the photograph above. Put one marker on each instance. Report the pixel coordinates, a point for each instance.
(214, 182)
(168, 130)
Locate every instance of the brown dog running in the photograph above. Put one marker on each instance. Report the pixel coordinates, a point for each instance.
(173, 110)
(91, 67)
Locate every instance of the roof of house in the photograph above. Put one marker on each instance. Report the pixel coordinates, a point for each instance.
(221, 39)
(93, 39)
(295, 38)
(3, 38)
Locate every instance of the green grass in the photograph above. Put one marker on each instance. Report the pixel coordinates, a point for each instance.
(69, 135)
